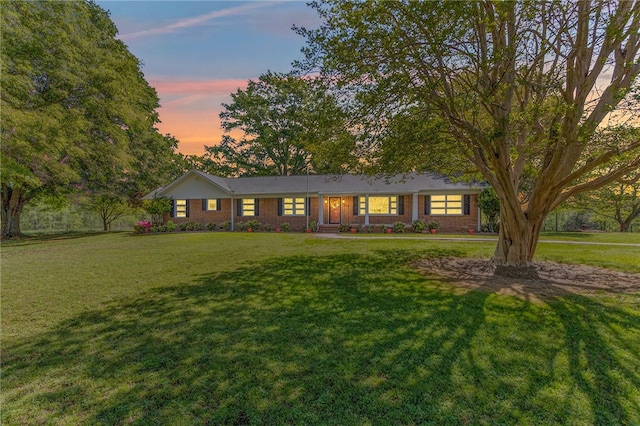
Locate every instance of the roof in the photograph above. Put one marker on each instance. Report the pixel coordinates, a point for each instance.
(328, 184)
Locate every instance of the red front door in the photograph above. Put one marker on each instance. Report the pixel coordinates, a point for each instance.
(335, 209)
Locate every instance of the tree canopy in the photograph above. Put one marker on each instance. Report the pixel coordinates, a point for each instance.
(287, 123)
(520, 89)
(76, 113)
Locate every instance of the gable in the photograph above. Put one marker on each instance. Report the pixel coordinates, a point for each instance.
(193, 186)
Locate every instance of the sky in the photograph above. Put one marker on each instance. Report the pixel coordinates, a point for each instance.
(196, 53)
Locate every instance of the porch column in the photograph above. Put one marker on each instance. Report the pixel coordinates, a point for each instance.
(320, 209)
(366, 209)
(233, 227)
(414, 207)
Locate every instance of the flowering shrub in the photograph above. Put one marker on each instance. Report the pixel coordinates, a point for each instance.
(142, 227)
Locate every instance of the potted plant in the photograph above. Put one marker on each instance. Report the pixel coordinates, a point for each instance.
(433, 226)
(252, 225)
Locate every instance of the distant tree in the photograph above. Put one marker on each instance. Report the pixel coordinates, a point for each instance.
(109, 207)
(76, 113)
(287, 124)
(489, 204)
(619, 201)
(157, 208)
(521, 88)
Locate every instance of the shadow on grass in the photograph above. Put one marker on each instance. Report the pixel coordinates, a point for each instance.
(340, 339)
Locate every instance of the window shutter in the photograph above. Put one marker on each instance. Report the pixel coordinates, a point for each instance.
(204, 204)
(219, 204)
(280, 206)
(172, 213)
(308, 206)
(401, 205)
(467, 205)
(356, 206)
(427, 204)
(257, 206)
(239, 207)
(187, 202)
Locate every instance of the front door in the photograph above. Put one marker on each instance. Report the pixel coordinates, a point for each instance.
(334, 209)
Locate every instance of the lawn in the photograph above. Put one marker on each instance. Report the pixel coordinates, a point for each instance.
(233, 328)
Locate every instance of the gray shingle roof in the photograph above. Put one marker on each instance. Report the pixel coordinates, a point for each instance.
(331, 184)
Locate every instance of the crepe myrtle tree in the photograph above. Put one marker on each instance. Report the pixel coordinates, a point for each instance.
(520, 87)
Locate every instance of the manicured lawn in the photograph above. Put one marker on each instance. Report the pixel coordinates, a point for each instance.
(221, 328)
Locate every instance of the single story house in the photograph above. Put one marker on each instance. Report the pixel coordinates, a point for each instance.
(330, 200)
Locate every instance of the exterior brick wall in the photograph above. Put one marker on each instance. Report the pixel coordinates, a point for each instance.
(268, 214)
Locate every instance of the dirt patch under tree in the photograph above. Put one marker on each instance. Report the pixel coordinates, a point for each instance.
(554, 279)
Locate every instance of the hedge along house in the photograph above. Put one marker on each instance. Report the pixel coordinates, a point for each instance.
(329, 200)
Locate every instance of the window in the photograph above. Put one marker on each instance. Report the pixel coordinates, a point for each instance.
(181, 208)
(379, 205)
(212, 204)
(248, 207)
(446, 204)
(293, 206)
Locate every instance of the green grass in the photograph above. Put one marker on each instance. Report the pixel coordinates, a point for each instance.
(219, 328)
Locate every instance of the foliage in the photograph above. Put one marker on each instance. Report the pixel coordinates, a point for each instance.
(211, 226)
(240, 226)
(171, 226)
(489, 204)
(253, 224)
(619, 201)
(513, 89)
(434, 224)
(226, 225)
(288, 123)
(142, 227)
(418, 225)
(109, 206)
(286, 227)
(344, 227)
(267, 227)
(76, 111)
(158, 207)
(398, 227)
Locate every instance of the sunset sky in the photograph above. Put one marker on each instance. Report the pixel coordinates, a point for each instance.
(196, 53)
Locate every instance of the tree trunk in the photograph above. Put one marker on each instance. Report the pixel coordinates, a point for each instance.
(13, 202)
(517, 241)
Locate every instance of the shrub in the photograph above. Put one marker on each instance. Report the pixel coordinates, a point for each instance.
(344, 227)
(267, 227)
(142, 227)
(240, 226)
(418, 225)
(226, 226)
(398, 227)
(193, 226)
(313, 225)
(211, 226)
(253, 224)
(286, 227)
(434, 224)
(171, 226)
(367, 228)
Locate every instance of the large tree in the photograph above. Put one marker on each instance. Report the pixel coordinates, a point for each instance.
(76, 113)
(286, 124)
(521, 87)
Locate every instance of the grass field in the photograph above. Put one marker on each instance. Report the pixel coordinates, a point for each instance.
(238, 328)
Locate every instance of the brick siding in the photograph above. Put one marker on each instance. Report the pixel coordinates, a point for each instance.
(268, 214)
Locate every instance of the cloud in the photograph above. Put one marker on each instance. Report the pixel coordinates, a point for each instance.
(195, 21)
